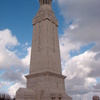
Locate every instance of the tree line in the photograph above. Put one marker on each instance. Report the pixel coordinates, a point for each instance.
(4, 96)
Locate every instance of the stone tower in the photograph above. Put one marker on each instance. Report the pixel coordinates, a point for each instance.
(45, 81)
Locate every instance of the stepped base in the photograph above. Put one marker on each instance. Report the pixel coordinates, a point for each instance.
(29, 94)
(43, 86)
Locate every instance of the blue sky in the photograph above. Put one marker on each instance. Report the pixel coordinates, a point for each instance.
(17, 16)
(79, 38)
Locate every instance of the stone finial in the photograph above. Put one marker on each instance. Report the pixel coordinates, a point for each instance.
(42, 2)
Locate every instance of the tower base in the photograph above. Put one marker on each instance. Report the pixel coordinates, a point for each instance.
(43, 86)
(28, 94)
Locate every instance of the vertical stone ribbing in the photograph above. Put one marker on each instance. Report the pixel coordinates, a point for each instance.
(42, 2)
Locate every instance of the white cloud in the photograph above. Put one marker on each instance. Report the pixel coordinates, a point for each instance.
(83, 19)
(86, 15)
(87, 96)
(26, 60)
(8, 56)
(12, 67)
(97, 86)
(12, 90)
(6, 39)
(2, 84)
(78, 69)
(81, 70)
(72, 27)
(66, 46)
(13, 76)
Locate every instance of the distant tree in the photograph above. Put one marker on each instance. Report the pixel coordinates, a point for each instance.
(4, 96)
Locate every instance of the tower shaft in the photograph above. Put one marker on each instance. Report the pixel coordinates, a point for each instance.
(45, 54)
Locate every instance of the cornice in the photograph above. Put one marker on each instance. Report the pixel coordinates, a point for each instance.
(43, 16)
(45, 73)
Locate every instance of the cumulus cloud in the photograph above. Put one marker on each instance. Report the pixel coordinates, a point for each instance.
(85, 19)
(12, 68)
(97, 86)
(2, 84)
(82, 19)
(77, 71)
(13, 76)
(7, 39)
(12, 90)
(87, 96)
(9, 56)
(81, 71)
(26, 60)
